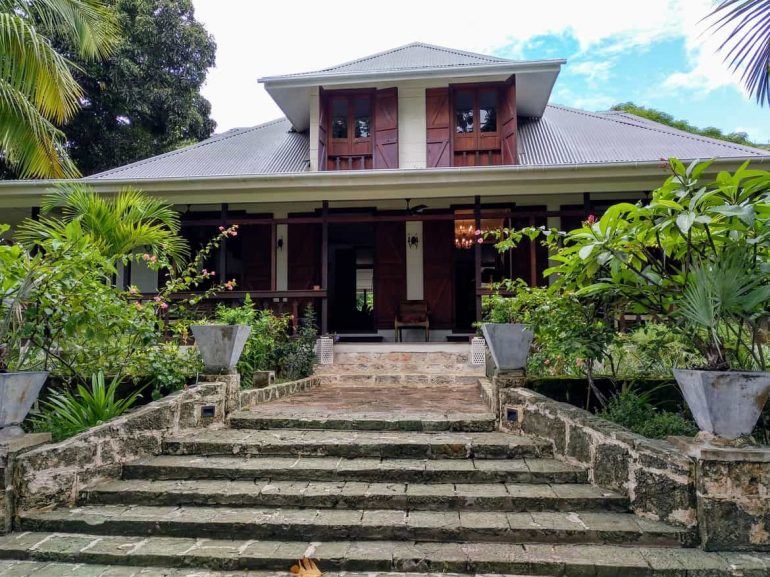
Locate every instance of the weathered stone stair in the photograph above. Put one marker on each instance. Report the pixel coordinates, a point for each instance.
(365, 493)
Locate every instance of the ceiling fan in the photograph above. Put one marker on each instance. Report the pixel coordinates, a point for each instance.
(414, 209)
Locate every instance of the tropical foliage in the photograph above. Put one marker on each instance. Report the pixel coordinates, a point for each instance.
(667, 119)
(747, 46)
(122, 227)
(144, 99)
(66, 413)
(38, 91)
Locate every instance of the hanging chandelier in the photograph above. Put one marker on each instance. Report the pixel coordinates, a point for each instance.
(465, 234)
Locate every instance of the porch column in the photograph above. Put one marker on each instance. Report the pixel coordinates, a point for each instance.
(325, 266)
(222, 260)
(552, 222)
(414, 261)
(477, 257)
(282, 257)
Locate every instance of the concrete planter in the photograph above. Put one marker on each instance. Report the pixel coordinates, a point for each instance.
(18, 391)
(220, 345)
(508, 344)
(725, 403)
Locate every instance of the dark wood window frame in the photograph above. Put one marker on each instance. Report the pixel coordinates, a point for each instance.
(351, 152)
(476, 148)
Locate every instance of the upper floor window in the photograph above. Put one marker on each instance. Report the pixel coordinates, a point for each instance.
(350, 127)
(476, 131)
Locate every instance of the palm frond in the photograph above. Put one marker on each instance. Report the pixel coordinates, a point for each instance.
(747, 47)
(89, 25)
(31, 65)
(29, 140)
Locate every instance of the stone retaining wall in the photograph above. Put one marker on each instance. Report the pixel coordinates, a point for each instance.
(53, 474)
(658, 479)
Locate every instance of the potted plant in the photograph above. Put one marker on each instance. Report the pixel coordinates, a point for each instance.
(18, 389)
(221, 343)
(696, 256)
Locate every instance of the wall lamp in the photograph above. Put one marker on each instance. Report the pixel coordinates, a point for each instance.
(412, 240)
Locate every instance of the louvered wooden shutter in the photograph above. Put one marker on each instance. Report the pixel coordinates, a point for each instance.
(439, 152)
(322, 129)
(390, 272)
(386, 128)
(508, 122)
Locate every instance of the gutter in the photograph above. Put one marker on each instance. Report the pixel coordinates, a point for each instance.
(395, 183)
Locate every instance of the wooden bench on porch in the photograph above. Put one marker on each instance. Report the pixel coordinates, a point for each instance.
(412, 315)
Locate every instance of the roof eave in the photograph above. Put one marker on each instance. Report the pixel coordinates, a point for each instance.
(397, 183)
(327, 78)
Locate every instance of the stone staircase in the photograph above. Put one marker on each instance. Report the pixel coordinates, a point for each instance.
(362, 491)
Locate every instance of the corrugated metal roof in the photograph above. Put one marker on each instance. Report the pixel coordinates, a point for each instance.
(570, 136)
(270, 148)
(562, 136)
(414, 56)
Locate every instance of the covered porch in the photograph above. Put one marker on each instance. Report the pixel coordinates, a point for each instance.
(356, 262)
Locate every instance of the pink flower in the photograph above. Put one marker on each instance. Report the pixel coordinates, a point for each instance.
(221, 228)
(480, 240)
(145, 256)
(591, 219)
(477, 232)
(230, 285)
(164, 306)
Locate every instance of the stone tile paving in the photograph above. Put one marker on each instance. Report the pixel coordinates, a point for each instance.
(334, 524)
(378, 556)
(351, 444)
(358, 495)
(404, 401)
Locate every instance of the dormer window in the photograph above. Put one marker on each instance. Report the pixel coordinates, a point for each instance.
(350, 127)
(476, 130)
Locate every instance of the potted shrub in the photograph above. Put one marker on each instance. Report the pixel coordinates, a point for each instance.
(696, 255)
(18, 389)
(221, 342)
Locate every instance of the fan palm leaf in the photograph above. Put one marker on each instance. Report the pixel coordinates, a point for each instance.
(37, 87)
(747, 46)
(120, 225)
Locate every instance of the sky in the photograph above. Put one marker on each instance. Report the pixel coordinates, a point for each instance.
(656, 53)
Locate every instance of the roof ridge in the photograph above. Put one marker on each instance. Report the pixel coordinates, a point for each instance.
(410, 45)
(233, 132)
(657, 127)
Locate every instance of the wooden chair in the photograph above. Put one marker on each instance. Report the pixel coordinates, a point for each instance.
(412, 315)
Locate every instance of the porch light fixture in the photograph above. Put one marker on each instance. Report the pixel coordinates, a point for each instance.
(279, 243)
(413, 241)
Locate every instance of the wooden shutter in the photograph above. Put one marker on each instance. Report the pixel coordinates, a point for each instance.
(256, 255)
(386, 128)
(438, 272)
(304, 257)
(323, 123)
(508, 122)
(389, 272)
(437, 115)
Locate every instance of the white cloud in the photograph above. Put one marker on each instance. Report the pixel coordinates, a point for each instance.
(594, 71)
(264, 38)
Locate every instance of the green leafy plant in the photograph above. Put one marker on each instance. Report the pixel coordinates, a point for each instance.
(67, 413)
(649, 350)
(242, 315)
(634, 410)
(297, 355)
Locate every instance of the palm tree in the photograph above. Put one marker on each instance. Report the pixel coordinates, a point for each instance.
(747, 47)
(121, 226)
(37, 88)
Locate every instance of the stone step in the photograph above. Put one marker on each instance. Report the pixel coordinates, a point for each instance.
(46, 569)
(527, 470)
(357, 495)
(566, 560)
(353, 444)
(356, 524)
(269, 418)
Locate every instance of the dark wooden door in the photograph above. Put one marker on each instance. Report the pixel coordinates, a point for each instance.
(438, 275)
(389, 271)
(439, 152)
(508, 122)
(304, 258)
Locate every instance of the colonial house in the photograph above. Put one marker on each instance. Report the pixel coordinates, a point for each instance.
(369, 191)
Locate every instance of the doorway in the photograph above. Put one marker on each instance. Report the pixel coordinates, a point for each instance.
(351, 278)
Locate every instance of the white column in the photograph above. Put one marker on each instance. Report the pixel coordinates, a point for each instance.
(282, 258)
(414, 276)
(553, 222)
